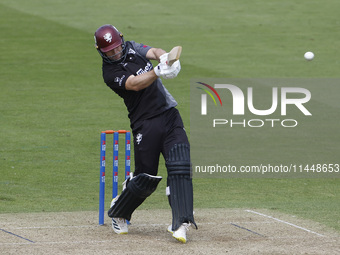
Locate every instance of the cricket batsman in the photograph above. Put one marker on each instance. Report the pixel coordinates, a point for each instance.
(156, 125)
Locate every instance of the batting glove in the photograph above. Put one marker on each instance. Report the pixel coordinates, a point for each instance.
(163, 59)
(173, 71)
(168, 72)
(161, 69)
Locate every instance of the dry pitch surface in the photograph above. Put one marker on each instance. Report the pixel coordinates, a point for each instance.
(221, 231)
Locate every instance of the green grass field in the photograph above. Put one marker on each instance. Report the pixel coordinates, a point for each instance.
(53, 102)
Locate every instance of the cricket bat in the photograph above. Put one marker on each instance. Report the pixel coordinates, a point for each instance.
(174, 55)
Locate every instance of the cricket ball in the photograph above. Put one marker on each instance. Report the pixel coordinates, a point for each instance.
(309, 55)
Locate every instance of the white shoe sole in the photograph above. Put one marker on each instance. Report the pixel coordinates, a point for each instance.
(178, 238)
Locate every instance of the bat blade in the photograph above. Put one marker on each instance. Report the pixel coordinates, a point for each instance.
(174, 55)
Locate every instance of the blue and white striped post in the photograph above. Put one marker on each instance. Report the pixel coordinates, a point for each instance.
(102, 178)
(127, 154)
(115, 164)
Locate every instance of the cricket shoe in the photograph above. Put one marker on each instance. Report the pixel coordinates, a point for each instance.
(181, 233)
(119, 225)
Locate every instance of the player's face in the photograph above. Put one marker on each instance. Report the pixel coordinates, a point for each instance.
(115, 53)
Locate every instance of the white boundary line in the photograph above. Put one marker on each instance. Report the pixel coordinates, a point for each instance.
(285, 222)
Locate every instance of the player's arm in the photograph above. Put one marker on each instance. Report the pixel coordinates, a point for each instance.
(144, 80)
(155, 53)
(140, 82)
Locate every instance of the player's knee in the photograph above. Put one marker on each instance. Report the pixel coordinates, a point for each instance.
(178, 161)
